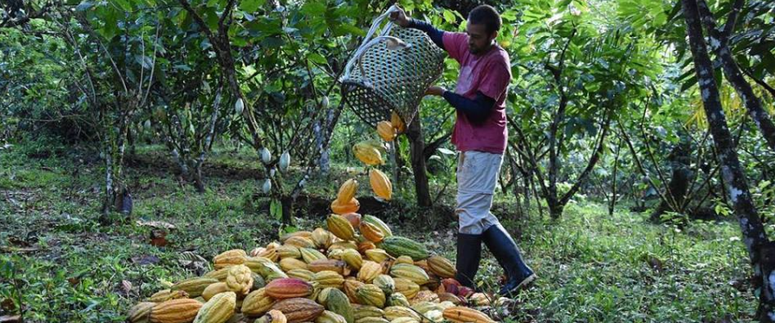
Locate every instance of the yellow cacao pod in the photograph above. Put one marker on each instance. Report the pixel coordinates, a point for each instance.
(322, 238)
(386, 131)
(219, 274)
(181, 310)
(369, 270)
(303, 234)
(367, 154)
(350, 286)
(218, 309)
(300, 241)
(140, 313)
(288, 251)
(288, 264)
(330, 317)
(377, 255)
(309, 255)
(371, 232)
(340, 227)
(410, 272)
(366, 311)
(380, 184)
(398, 299)
(267, 253)
(337, 266)
(194, 286)
(302, 274)
(353, 258)
(379, 224)
(406, 287)
(425, 296)
(447, 304)
(240, 279)
(425, 307)
(214, 289)
(167, 294)
(327, 278)
(229, 258)
(372, 320)
(370, 294)
(404, 260)
(273, 316)
(347, 190)
(366, 245)
(345, 206)
(441, 266)
(434, 316)
(257, 303)
(397, 122)
(404, 320)
(266, 268)
(464, 314)
(479, 299)
(394, 312)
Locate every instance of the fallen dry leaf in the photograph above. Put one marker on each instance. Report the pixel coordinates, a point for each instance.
(126, 286)
(156, 224)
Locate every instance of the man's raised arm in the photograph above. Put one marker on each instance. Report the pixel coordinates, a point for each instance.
(436, 35)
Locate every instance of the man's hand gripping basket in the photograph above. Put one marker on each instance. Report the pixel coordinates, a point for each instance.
(390, 72)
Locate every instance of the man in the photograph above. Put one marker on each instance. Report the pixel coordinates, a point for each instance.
(480, 135)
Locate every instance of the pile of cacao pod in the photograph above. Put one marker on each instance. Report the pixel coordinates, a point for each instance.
(355, 271)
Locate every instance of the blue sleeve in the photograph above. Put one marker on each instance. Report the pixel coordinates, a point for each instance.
(476, 110)
(435, 34)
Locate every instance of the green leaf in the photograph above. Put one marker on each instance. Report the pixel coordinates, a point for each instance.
(123, 4)
(251, 5)
(317, 58)
(314, 8)
(83, 6)
(449, 16)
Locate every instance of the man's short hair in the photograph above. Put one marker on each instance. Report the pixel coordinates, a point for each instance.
(486, 15)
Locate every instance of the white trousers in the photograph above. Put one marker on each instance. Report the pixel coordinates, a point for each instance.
(477, 173)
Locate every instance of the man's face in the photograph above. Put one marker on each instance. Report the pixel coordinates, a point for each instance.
(478, 39)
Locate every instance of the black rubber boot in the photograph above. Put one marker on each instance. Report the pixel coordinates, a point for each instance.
(505, 250)
(469, 253)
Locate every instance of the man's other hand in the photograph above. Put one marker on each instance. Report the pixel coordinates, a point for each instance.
(399, 17)
(435, 90)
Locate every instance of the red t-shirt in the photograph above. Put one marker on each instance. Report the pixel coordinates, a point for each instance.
(490, 74)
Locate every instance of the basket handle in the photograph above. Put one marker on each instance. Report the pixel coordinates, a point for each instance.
(396, 43)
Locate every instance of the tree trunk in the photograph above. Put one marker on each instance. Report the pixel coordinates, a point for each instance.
(736, 186)
(199, 182)
(678, 186)
(720, 45)
(612, 205)
(414, 133)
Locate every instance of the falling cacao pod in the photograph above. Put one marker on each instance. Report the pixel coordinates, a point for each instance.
(397, 122)
(380, 184)
(347, 190)
(386, 131)
(367, 154)
(340, 207)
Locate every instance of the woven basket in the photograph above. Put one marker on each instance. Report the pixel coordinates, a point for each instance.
(379, 80)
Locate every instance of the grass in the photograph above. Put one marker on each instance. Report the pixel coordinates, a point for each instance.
(59, 265)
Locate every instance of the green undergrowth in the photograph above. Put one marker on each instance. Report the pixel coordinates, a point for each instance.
(60, 265)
